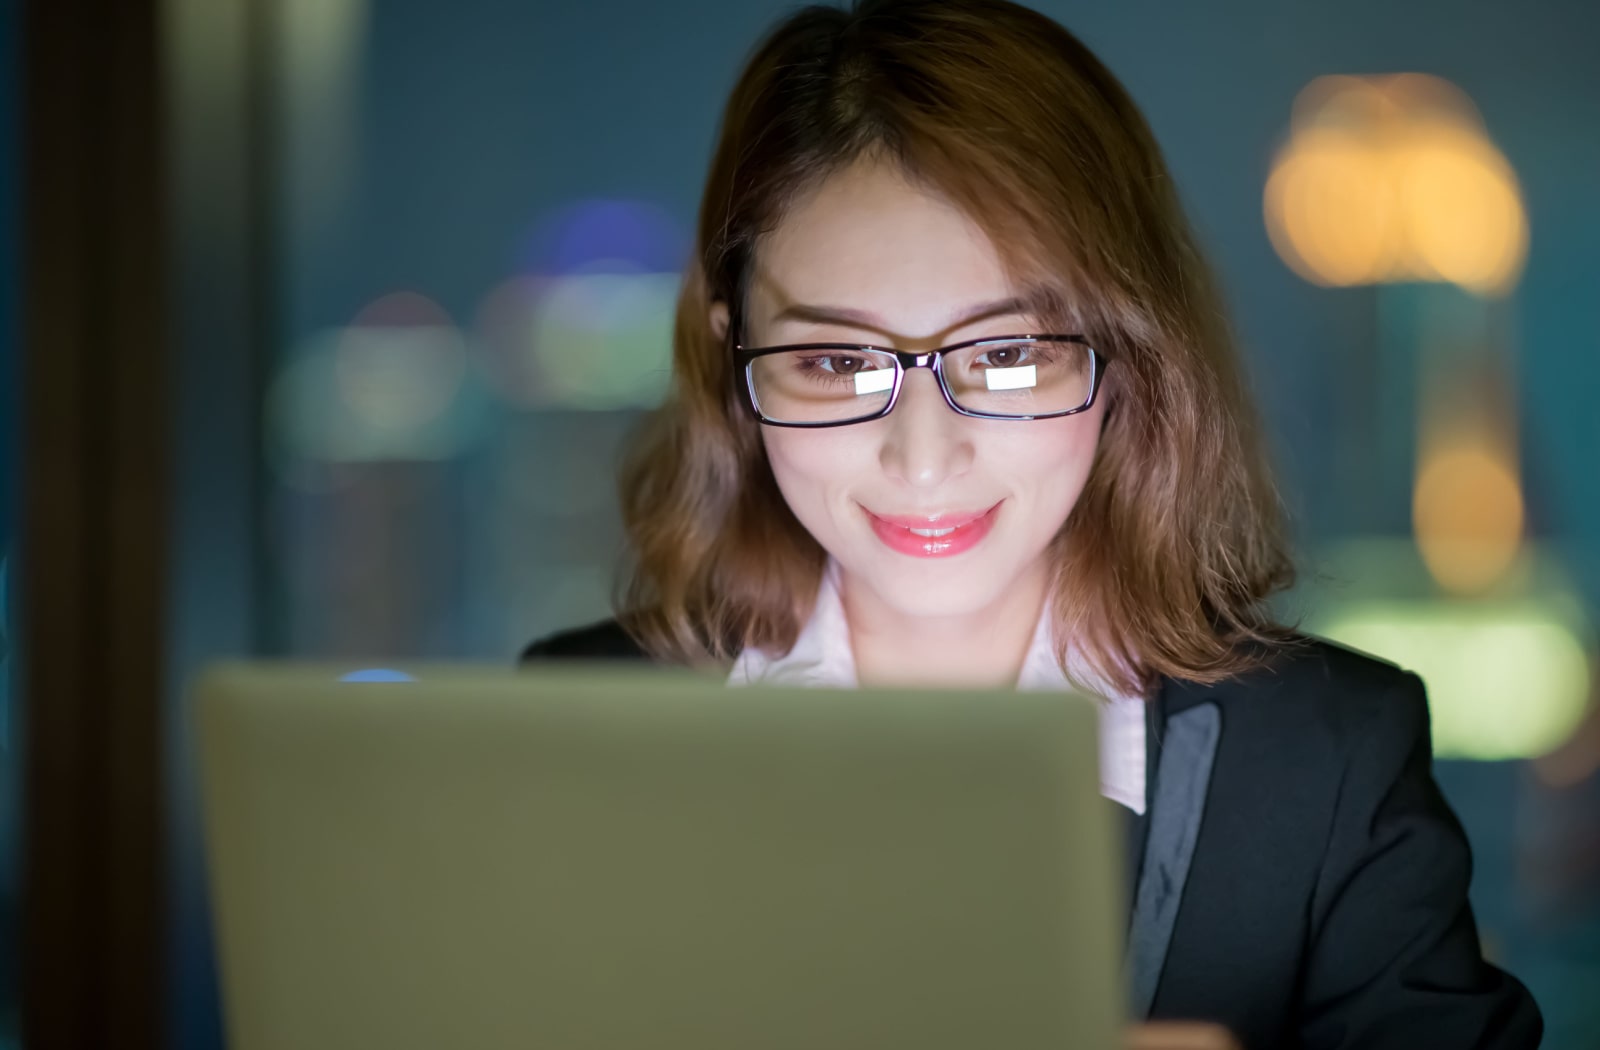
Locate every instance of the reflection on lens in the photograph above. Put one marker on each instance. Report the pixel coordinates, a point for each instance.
(823, 384)
(1023, 377)
(1020, 377)
(836, 383)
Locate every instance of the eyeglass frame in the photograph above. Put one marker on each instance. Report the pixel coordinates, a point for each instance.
(908, 359)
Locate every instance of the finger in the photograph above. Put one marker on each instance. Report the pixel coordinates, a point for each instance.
(1179, 1035)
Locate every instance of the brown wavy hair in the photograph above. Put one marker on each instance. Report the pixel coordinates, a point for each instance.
(1165, 563)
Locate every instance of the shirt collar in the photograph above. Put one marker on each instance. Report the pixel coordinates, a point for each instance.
(821, 657)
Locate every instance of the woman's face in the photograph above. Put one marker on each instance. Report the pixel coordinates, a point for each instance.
(870, 258)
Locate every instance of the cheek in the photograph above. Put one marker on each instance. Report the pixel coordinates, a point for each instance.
(808, 465)
(1045, 463)
(1048, 464)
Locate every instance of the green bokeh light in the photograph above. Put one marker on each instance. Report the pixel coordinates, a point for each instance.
(1506, 679)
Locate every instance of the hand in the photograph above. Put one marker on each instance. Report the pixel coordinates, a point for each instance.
(1179, 1035)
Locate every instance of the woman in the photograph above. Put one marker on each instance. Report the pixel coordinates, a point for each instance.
(953, 404)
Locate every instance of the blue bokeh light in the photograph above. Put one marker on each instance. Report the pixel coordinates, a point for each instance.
(377, 674)
(606, 236)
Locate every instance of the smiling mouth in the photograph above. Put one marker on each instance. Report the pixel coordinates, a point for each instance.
(933, 535)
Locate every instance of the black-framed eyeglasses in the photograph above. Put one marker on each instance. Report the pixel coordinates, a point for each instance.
(997, 377)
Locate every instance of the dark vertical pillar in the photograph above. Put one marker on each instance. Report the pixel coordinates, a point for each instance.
(96, 379)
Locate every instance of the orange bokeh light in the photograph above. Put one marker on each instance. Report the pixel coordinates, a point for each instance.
(1394, 179)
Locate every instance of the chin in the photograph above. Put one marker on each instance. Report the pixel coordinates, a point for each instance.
(936, 588)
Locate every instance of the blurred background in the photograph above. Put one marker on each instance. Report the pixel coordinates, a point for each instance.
(399, 281)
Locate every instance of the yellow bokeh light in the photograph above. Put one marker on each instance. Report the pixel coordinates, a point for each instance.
(1392, 179)
(1334, 210)
(1463, 219)
(1467, 513)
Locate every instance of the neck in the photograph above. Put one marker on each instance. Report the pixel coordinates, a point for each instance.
(985, 647)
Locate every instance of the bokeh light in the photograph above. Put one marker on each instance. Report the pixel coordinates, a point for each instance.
(589, 325)
(605, 235)
(605, 340)
(1467, 514)
(1392, 179)
(1505, 679)
(1329, 176)
(401, 363)
(1577, 760)
(377, 675)
(395, 385)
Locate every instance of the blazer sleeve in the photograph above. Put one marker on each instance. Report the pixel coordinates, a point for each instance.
(1394, 959)
(605, 640)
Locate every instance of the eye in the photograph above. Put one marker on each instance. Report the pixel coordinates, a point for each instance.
(1003, 356)
(846, 364)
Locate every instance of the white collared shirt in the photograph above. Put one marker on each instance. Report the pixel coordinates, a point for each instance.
(822, 657)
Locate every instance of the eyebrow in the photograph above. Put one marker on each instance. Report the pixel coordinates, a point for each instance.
(818, 314)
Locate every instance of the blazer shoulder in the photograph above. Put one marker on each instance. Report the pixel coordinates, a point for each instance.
(1348, 692)
(1309, 692)
(605, 640)
(1308, 659)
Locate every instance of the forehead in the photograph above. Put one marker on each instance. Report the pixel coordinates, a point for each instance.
(869, 239)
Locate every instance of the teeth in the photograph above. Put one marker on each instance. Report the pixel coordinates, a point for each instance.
(933, 532)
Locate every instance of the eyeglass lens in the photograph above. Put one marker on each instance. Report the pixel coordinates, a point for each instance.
(1006, 378)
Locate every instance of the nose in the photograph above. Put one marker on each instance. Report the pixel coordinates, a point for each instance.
(925, 442)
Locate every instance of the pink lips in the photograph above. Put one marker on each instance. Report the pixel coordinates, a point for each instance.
(967, 530)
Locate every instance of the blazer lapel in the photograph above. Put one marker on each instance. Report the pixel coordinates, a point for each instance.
(1137, 825)
(1176, 803)
(1135, 828)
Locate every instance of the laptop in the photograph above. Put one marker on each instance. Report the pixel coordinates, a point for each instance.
(609, 858)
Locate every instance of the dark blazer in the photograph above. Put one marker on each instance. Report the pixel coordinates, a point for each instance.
(1297, 876)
